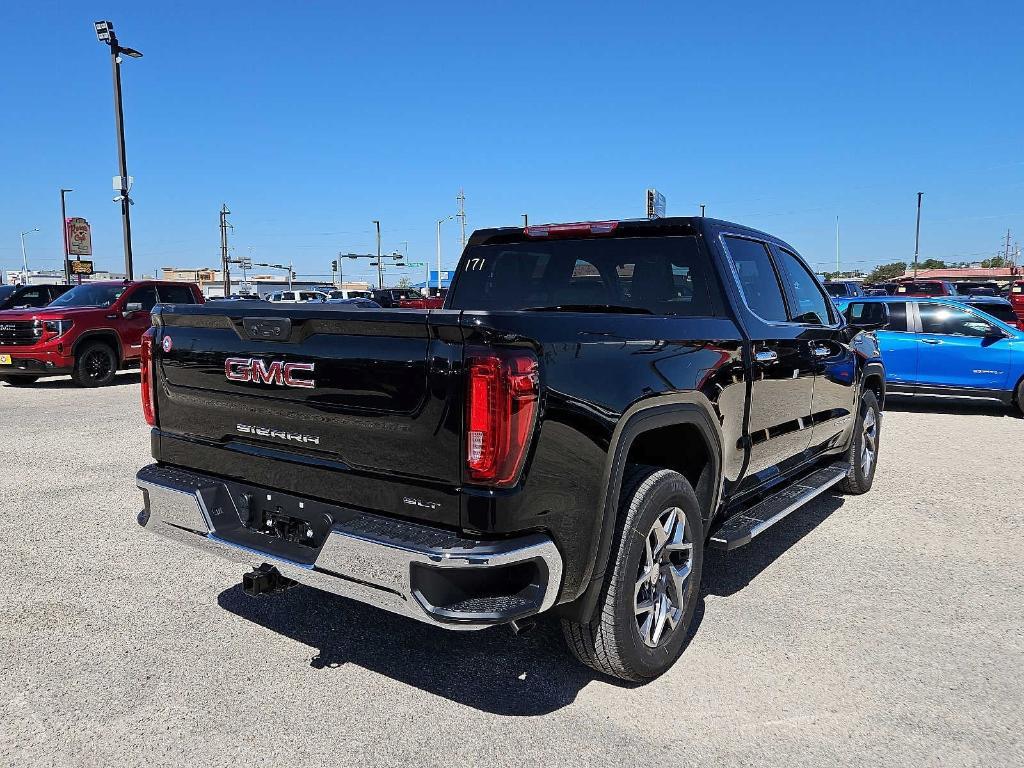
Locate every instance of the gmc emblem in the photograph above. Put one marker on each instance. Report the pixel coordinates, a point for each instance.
(275, 372)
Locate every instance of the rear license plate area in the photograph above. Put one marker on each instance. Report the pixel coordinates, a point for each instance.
(277, 524)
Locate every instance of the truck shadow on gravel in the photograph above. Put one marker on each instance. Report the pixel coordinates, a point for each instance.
(490, 670)
(726, 573)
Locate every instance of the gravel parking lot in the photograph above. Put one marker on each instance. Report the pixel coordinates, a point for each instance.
(878, 630)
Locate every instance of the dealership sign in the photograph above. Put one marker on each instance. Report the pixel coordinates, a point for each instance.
(79, 237)
(655, 204)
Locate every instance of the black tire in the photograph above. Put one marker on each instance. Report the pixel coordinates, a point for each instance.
(95, 365)
(19, 381)
(612, 642)
(863, 463)
(1020, 396)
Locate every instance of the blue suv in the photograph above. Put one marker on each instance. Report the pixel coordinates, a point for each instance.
(945, 348)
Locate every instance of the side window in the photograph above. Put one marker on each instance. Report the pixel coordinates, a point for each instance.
(950, 321)
(175, 294)
(865, 312)
(897, 316)
(146, 296)
(808, 300)
(758, 280)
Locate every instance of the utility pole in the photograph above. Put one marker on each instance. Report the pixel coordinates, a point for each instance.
(917, 233)
(461, 215)
(64, 229)
(526, 221)
(1006, 255)
(224, 265)
(380, 265)
(702, 210)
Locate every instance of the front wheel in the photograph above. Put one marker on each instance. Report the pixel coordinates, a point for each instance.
(647, 603)
(863, 453)
(95, 365)
(1020, 397)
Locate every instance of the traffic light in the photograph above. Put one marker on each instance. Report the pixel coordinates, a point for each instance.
(334, 266)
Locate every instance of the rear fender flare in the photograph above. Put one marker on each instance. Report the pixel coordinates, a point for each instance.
(662, 411)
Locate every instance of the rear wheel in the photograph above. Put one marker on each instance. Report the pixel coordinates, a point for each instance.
(19, 381)
(647, 603)
(863, 453)
(95, 365)
(1020, 396)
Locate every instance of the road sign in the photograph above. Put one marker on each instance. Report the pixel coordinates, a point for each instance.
(415, 264)
(79, 237)
(655, 204)
(81, 267)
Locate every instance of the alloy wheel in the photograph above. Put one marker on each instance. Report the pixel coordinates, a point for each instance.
(97, 365)
(869, 442)
(659, 596)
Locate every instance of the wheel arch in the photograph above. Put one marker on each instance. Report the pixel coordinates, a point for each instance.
(649, 432)
(106, 335)
(874, 380)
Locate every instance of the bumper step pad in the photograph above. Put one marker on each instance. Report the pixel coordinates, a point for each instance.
(740, 529)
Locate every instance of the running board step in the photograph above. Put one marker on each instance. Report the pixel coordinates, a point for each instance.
(742, 527)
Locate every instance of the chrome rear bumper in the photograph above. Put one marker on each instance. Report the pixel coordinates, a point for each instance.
(426, 573)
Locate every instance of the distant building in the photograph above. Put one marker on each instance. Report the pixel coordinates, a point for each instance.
(988, 274)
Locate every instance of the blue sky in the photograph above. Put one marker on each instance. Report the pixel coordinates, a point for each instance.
(311, 121)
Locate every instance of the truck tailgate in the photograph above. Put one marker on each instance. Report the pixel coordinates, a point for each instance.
(358, 393)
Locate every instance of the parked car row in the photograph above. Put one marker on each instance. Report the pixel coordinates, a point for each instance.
(944, 347)
(88, 331)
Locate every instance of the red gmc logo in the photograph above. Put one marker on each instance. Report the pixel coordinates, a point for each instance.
(275, 372)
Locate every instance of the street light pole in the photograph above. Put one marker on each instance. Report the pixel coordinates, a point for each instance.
(24, 254)
(917, 233)
(380, 266)
(64, 229)
(105, 34)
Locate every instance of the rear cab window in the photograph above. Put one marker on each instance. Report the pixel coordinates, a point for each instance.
(808, 302)
(175, 294)
(642, 275)
(758, 279)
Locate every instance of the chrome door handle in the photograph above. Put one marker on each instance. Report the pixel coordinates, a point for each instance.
(766, 356)
(821, 351)
(930, 341)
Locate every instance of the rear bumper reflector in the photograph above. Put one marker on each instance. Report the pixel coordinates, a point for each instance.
(423, 572)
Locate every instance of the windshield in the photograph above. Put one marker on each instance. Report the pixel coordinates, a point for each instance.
(89, 296)
(6, 290)
(656, 275)
(836, 289)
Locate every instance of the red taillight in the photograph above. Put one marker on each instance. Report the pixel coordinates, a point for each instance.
(501, 406)
(571, 230)
(147, 377)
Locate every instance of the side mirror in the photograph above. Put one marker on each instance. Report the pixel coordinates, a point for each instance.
(131, 308)
(866, 316)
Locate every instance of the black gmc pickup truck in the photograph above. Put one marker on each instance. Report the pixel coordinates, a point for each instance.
(595, 405)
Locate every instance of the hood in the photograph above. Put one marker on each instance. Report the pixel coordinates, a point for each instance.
(47, 313)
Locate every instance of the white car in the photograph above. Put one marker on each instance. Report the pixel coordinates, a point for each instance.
(345, 293)
(296, 297)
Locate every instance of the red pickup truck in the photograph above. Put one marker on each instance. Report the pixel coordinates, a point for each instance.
(1016, 297)
(88, 332)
